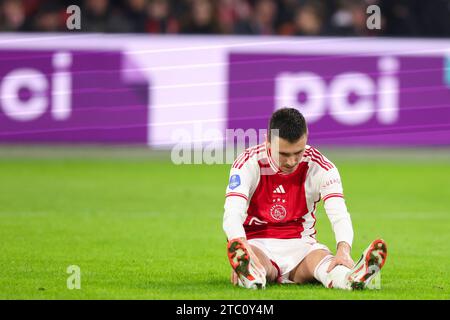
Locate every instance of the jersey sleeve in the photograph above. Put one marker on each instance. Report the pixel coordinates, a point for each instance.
(331, 185)
(241, 183)
(331, 192)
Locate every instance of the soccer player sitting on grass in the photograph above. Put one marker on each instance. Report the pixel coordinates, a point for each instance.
(270, 209)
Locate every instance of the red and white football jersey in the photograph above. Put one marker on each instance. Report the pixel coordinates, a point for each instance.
(263, 202)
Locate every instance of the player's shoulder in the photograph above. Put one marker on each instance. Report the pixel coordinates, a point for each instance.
(250, 157)
(317, 160)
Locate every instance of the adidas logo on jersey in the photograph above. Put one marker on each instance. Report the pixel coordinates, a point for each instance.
(279, 189)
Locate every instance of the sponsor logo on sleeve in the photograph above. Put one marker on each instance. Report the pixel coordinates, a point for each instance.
(331, 182)
(235, 181)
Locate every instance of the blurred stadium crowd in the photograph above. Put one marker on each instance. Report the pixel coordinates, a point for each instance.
(405, 18)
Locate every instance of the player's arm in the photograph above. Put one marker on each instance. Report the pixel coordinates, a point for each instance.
(237, 196)
(241, 181)
(331, 192)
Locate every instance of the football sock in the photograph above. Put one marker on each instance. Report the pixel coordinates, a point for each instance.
(336, 278)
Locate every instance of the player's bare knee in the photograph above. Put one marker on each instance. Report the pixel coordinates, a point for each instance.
(315, 257)
(304, 272)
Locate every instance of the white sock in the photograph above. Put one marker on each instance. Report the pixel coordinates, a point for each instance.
(334, 279)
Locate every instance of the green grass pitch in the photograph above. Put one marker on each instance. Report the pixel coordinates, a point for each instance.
(147, 229)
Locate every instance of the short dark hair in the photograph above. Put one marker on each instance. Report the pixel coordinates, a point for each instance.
(290, 123)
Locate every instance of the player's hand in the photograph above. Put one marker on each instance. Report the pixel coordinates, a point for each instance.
(342, 257)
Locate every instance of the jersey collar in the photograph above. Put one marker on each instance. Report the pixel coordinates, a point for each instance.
(272, 162)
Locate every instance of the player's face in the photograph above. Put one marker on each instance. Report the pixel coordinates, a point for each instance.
(289, 154)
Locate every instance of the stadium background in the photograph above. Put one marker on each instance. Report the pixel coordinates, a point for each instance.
(89, 120)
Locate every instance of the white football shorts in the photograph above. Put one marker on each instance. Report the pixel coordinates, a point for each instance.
(287, 253)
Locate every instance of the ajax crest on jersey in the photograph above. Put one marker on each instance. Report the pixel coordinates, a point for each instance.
(235, 181)
(278, 212)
